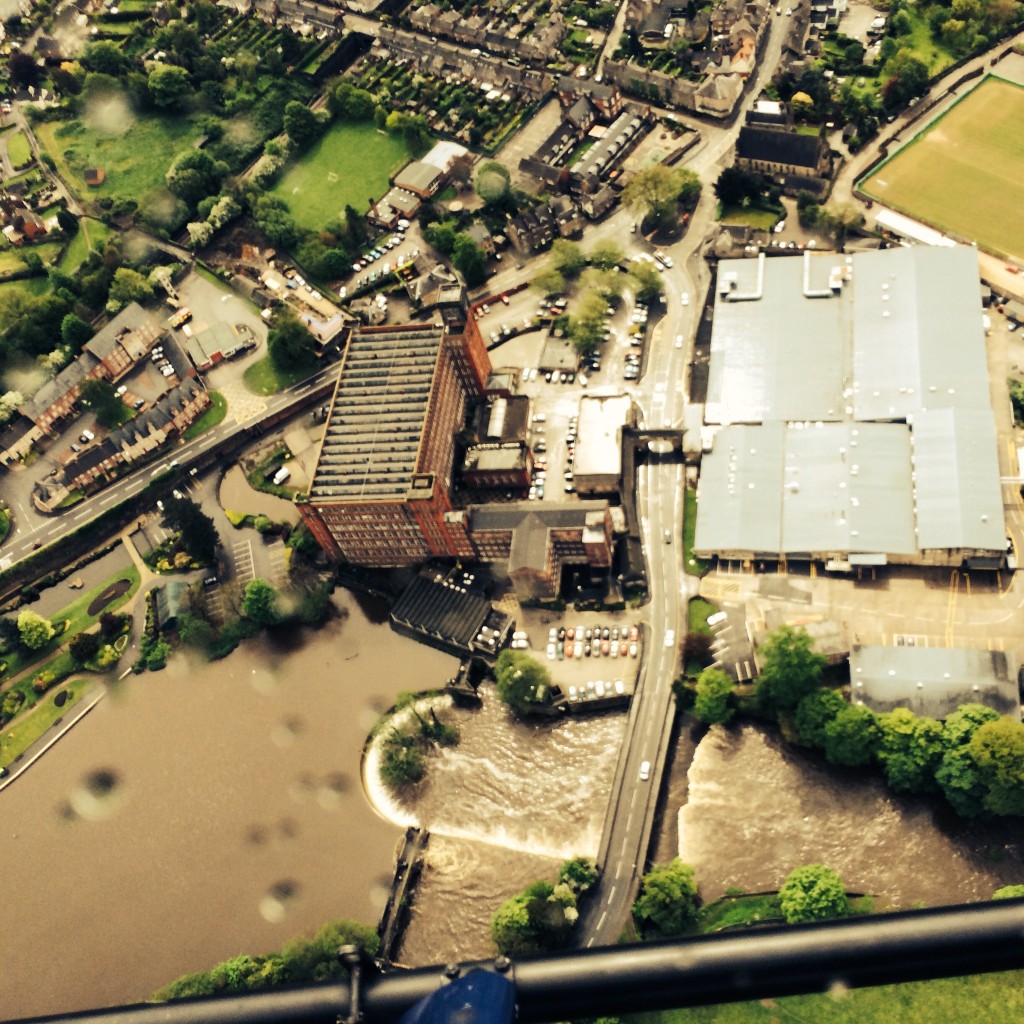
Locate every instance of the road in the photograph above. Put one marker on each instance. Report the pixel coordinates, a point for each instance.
(180, 458)
(661, 398)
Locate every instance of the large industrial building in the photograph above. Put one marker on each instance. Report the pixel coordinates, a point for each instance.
(848, 399)
(380, 495)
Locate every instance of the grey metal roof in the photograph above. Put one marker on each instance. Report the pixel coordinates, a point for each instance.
(740, 491)
(932, 681)
(775, 354)
(372, 439)
(956, 468)
(918, 341)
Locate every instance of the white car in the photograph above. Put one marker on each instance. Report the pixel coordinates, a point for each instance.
(551, 652)
(670, 637)
(679, 341)
(645, 770)
(686, 298)
(121, 391)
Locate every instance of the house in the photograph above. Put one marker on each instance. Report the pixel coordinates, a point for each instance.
(122, 342)
(481, 236)
(420, 178)
(606, 97)
(775, 152)
(396, 205)
(536, 228)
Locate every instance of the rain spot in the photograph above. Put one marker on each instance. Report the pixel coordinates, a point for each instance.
(95, 798)
(288, 828)
(285, 733)
(263, 681)
(255, 835)
(332, 789)
(278, 899)
(302, 787)
(380, 891)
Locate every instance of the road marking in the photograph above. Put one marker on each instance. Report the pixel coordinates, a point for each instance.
(611, 893)
(601, 920)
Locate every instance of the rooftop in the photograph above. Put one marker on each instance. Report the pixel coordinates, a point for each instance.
(373, 434)
(599, 434)
(932, 681)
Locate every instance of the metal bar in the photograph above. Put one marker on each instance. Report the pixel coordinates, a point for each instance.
(777, 961)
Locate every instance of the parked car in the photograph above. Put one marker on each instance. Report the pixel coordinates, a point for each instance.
(645, 770)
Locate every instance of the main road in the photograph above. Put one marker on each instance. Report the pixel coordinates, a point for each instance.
(660, 489)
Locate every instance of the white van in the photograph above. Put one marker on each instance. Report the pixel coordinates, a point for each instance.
(281, 475)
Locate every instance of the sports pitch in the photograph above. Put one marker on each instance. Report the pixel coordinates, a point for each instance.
(965, 172)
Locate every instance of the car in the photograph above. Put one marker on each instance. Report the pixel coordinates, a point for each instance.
(714, 620)
(167, 371)
(532, 496)
(588, 649)
(569, 488)
(209, 581)
(160, 505)
(560, 650)
(578, 651)
(634, 650)
(486, 308)
(570, 648)
(504, 299)
(177, 494)
(613, 650)
(138, 403)
(686, 298)
(533, 374)
(76, 448)
(572, 693)
(670, 637)
(599, 688)
(1012, 269)
(553, 633)
(634, 632)
(645, 770)
(620, 687)
(561, 632)
(679, 341)
(605, 647)
(668, 536)
(87, 436)
(623, 648)
(540, 491)
(122, 390)
(570, 633)
(605, 633)
(4, 770)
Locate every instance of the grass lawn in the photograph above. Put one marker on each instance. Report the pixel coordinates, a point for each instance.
(11, 261)
(28, 286)
(214, 415)
(737, 911)
(993, 998)
(962, 174)
(20, 736)
(349, 164)
(134, 151)
(91, 236)
(5, 524)
(698, 611)
(693, 566)
(756, 218)
(262, 379)
(18, 150)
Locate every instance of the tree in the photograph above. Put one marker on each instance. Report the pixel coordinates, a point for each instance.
(106, 58)
(790, 671)
(33, 630)
(606, 254)
(586, 326)
(904, 76)
(290, 343)
(813, 893)
(813, 714)
(274, 219)
(24, 71)
(522, 683)
(195, 175)
(74, 331)
(840, 219)
(548, 282)
(259, 602)
(511, 928)
(468, 260)
(85, 646)
(349, 103)
(997, 748)
(647, 281)
(302, 125)
(714, 697)
(169, 87)
(580, 873)
(198, 534)
(127, 286)
(442, 237)
(567, 257)
(668, 900)
(200, 233)
(654, 193)
(492, 182)
(737, 186)
(852, 737)
(98, 395)
(910, 750)
(1009, 892)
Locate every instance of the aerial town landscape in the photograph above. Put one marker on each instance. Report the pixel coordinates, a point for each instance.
(501, 477)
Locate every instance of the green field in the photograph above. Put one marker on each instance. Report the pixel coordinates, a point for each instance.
(18, 150)
(134, 152)
(963, 173)
(352, 163)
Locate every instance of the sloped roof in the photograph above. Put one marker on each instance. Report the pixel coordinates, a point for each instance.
(778, 147)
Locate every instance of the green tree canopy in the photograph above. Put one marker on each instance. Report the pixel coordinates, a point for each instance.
(579, 872)
(100, 397)
(349, 103)
(910, 750)
(274, 219)
(586, 325)
(1009, 892)
(492, 182)
(198, 534)
(548, 281)
(35, 631)
(74, 331)
(567, 257)
(468, 260)
(790, 671)
(656, 191)
(852, 737)
(813, 893)
(997, 748)
(194, 175)
(647, 282)
(713, 703)
(813, 714)
(128, 286)
(303, 126)
(737, 186)
(668, 900)
(442, 236)
(170, 87)
(259, 602)
(606, 254)
(85, 646)
(290, 344)
(522, 682)
(105, 57)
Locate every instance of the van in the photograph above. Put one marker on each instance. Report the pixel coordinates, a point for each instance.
(281, 475)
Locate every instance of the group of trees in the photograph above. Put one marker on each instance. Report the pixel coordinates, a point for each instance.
(301, 961)
(660, 194)
(522, 682)
(466, 256)
(411, 735)
(543, 915)
(290, 344)
(975, 758)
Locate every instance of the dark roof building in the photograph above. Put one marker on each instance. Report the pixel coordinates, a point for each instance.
(772, 151)
(932, 681)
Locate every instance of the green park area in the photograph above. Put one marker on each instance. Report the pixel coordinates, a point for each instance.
(18, 150)
(214, 415)
(962, 174)
(133, 152)
(350, 165)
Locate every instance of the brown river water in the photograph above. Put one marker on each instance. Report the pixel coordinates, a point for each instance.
(236, 819)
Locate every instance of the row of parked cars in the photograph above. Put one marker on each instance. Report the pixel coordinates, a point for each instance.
(596, 689)
(593, 642)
